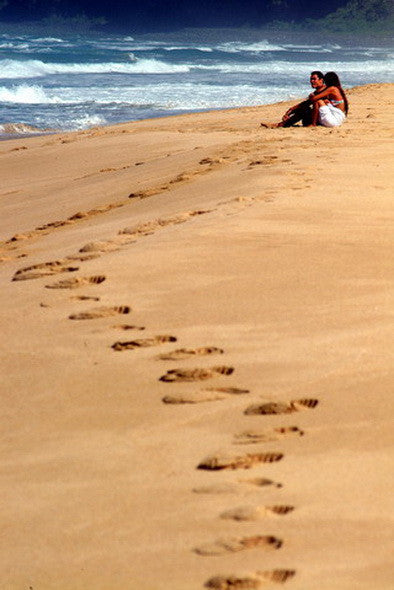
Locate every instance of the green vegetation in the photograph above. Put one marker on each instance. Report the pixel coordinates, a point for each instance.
(79, 23)
(362, 18)
(359, 16)
(341, 17)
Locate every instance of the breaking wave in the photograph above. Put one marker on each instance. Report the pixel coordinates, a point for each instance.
(25, 94)
(34, 68)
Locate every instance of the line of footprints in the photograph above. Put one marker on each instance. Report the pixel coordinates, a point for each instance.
(231, 461)
(215, 462)
(235, 461)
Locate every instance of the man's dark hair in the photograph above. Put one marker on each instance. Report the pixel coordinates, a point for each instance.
(318, 74)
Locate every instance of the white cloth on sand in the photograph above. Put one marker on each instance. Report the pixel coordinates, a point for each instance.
(330, 116)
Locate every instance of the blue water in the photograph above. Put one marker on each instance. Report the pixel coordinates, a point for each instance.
(72, 83)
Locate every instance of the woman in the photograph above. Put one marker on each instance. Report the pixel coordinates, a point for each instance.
(330, 107)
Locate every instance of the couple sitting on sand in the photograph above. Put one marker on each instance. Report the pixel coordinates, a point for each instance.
(327, 105)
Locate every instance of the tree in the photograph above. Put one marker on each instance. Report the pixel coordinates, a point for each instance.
(358, 15)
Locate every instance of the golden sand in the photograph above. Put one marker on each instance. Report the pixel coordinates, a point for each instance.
(195, 345)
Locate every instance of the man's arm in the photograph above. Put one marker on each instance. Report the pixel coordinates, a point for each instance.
(291, 110)
(323, 94)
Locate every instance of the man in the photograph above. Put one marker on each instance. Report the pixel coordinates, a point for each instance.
(303, 110)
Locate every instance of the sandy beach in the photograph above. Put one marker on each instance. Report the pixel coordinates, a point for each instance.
(196, 361)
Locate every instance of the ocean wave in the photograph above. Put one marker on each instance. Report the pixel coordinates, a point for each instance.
(310, 50)
(15, 46)
(311, 47)
(299, 69)
(127, 43)
(14, 69)
(188, 48)
(25, 94)
(49, 40)
(237, 47)
(87, 121)
(182, 96)
(11, 69)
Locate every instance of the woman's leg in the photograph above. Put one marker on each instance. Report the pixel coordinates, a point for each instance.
(315, 112)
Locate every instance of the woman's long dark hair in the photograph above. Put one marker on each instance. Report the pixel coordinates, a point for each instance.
(331, 79)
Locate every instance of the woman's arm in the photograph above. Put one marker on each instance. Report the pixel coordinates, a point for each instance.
(332, 90)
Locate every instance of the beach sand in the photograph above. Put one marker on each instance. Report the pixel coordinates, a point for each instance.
(196, 379)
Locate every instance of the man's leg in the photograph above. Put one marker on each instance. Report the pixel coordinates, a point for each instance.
(302, 113)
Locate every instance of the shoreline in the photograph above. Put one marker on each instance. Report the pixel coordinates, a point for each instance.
(8, 136)
(196, 338)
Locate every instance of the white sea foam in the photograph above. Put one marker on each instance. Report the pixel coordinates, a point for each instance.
(124, 44)
(33, 68)
(162, 96)
(14, 69)
(188, 48)
(87, 121)
(237, 47)
(311, 50)
(48, 40)
(15, 46)
(25, 94)
(300, 69)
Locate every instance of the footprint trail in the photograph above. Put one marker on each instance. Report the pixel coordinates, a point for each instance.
(195, 374)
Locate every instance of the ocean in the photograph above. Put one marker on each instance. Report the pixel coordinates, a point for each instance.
(76, 82)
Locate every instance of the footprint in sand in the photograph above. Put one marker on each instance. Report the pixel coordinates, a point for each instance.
(51, 225)
(143, 342)
(233, 488)
(257, 436)
(281, 407)
(262, 482)
(223, 461)
(233, 545)
(232, 582)
(250, 513)
(77, 282)
(184, 353)
(249, 582)
(85, 298)
(277, 576)
(219, 488)
(266, 161)
(207, 395)
(99, 312)
(17, 238)
(128, 327)
(195, 374)
(96, 211)
(82, 257)
(62, 222)
(44, 269)
(230, 390)
(150, 227)
(108, 246)
(197, 397)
